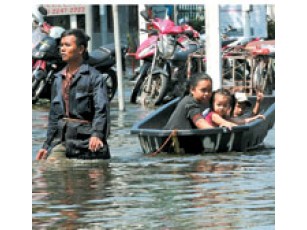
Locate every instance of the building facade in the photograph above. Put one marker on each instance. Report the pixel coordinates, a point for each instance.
(99, 18)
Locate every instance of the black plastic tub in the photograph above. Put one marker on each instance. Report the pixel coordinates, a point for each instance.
(241, 138)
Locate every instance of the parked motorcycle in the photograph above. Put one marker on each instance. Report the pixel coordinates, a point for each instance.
(45, 56)
(145, 52)
(263, 73)
(163, 74)
(232, 48)
(46, 59)
(48, 62)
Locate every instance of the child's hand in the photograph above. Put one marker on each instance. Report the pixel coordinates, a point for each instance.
(260, 116)
(228, 125)
(248, 120)
(259, 96)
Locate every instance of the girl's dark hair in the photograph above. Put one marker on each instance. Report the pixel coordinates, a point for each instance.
(226, 93)
(81, 39)
(194, 79)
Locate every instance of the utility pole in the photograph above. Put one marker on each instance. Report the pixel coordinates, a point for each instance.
(119, 68)
(246, 8)
(175, 14)
(213, 44)
(89, 26)
(103, 23)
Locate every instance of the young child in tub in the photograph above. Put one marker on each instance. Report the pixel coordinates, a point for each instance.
(220, 113)
(242, 103)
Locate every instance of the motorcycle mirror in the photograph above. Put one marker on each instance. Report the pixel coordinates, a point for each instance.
(42, 10)
(144, 15)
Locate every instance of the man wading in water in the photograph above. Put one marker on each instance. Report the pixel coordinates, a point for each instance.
(78, 123)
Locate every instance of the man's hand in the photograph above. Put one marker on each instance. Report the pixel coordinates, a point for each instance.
(41, 154)
(95, 144)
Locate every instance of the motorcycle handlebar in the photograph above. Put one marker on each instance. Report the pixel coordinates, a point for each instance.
(144, 30)
(150, 32)
(182, 46)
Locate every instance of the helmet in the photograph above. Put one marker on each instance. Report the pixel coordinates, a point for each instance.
(56, 32)
(38, 14)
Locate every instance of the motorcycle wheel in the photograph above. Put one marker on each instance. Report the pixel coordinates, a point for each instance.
(136, 91)
(269, 82)
(157, 90)
(111, 82)
(273, 73)
(262, 79)
(37, 87)
(240, 72)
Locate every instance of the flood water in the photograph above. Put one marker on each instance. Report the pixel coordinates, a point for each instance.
(134, 191)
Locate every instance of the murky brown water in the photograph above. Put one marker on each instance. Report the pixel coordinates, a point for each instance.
(133, 191)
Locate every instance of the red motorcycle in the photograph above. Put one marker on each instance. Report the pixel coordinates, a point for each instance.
(236, 47)
(165, 53)
(46, 61)
(263, 72)
(259, 67)
(145, 52)
(45, 56)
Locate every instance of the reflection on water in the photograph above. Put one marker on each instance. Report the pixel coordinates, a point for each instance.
(133, 191)
(226, 192)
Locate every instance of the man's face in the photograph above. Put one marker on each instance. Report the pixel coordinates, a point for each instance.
(69, 49)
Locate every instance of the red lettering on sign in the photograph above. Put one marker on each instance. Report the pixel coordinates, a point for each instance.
(54, 9)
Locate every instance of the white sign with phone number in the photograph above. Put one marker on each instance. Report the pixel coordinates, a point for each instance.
(64, 9)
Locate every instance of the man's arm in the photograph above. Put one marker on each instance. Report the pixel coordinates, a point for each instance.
(100, 120)
(53, 119)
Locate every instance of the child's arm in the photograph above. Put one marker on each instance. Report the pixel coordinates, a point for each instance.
(201, 123)
(244, 121)
(259, 99)
(219, 121)
(250, 119)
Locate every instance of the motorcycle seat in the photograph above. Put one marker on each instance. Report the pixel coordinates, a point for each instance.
(103, 53)
(227, 42)
(109, 48)
(98, 56)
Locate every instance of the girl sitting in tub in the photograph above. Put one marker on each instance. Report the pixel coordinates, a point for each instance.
(220, 113)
